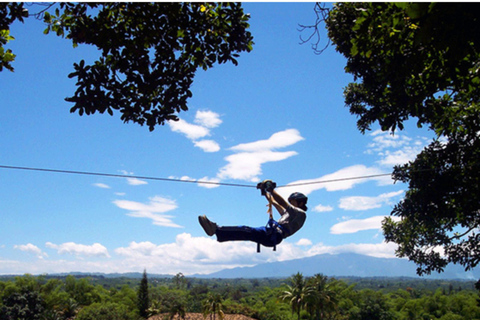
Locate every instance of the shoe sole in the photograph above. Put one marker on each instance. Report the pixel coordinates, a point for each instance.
(205, 225)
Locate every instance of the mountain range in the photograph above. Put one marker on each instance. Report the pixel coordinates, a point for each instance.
(342, 265)
(338, 265)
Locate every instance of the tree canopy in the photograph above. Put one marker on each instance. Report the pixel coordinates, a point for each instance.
(422, 61)
(149, 52)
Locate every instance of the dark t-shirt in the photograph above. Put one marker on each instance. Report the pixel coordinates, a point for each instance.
(292, 220)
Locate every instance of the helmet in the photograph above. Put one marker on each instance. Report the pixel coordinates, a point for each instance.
(298, 196)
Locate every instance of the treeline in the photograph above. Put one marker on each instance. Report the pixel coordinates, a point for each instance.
(304, 298)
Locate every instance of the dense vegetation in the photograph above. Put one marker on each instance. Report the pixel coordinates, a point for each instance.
(298, 297)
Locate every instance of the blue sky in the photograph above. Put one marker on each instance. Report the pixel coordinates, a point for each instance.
(278, 115)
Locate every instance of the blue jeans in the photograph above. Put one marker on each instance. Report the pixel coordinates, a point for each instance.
(268, 237)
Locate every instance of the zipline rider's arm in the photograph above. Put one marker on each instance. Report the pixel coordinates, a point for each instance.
(271, 201)
(268, 190)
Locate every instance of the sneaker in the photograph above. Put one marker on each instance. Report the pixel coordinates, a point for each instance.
(207, 225)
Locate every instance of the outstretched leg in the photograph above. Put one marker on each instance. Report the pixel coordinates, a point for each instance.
(260, 235)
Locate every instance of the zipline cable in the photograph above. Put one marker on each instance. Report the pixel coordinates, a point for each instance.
(113, 175)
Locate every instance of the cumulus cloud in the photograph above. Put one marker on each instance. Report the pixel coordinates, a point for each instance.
(246, 163)
(30, 248)
(94, 250)
(356, 225)
(205, 120)
(278, 140)
(187, 254)
(207, 145)
(358, 203)
(192, 255)
(153, 210)
(191, 131)
(208, 119)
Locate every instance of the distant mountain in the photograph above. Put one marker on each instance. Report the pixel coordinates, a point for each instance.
(341, 265)
(132, 275)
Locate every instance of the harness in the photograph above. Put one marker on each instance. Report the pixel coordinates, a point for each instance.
(271, 226)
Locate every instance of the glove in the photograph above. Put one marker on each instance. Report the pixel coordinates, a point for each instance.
(269, 185)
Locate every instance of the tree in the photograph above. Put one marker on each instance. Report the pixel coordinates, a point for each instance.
(416, 60)
(27, 305)
(143, 302)
(177, 307)
(179, 281)
(323, 298)
(9, 13)
(149, 52)
(297, 293)
(105, 311)
(213, 305)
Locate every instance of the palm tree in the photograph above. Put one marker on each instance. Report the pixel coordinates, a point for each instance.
(297, 294)
(178, 307)
(323, 298)
(213, 306)
(179, 280)
(70, 308)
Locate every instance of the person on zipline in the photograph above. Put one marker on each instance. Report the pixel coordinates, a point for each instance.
(292, 219)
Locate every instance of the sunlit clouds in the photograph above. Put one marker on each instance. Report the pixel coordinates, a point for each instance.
(153, 210)
(204, 122)
(356, 225)
(94, 250)
(33, 249)
(246, 163)
(394, 149)
(340, 180)
(359, 203)
(192, 255)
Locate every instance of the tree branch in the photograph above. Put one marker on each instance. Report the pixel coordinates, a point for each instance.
(322, 13)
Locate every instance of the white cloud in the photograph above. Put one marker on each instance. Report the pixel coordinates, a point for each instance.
(94, 250)
(383, 140)
(187, 254)
(304, 242)
(190, 255)
(191, 131)
(30, 248)
(207, 145)
(355, 225)
(136, 182)
(153, 210)
(399, 157)
(340, 180)
(247, 163)
(395, 149)
(321, 208)
(278, 140)
(358, 203)
(208, 119)
(205, 120)
(211, 182)
(102, 185)
(378, 250)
